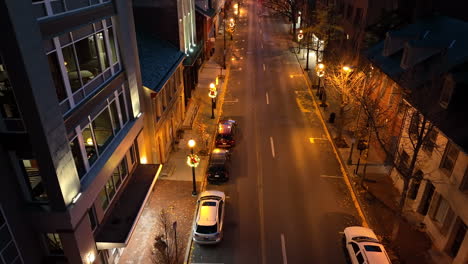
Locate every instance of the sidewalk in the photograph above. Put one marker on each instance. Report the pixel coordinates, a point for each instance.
(173, 189)
(378, 198)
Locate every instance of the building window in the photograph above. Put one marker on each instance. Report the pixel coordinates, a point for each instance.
(442, 214)
(132, 154)
(115, 116)
(54, 244)
(403, 162)
(87, 59)
(92, 218)
(8, 250)
(74, 76)
(77, 157)
(36, 184)
(358, 16)
(103, 131)
(123, 109)
(414, 126)
(113, 45)
(8, 107)
(57, 76)
(90, 146)
(446, 93)
(349, 12)
(415, 184)
(104, 199)
(449, 158)
(464, 184)
(430, 141)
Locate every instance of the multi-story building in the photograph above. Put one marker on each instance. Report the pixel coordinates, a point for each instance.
(70, 120)
(178, 18)
(163, 87)
(426, 62)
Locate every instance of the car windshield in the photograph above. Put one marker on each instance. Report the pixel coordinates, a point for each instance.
(209, 203)
(372, 248)
(216, 168)
(224, 136)
(207, 229)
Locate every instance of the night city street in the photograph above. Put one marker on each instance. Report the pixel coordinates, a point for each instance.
(233, 132)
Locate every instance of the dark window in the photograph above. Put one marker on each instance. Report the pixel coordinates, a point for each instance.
(87, 59)
(34, 180)
(430, 141)
(449, 158)
(207, 229)
(415, 184)
(360, 258)
(403, 162)
(372, 248)
(446, 93)
(113, 46)
(349, 12)
(54, 244)
(8, 106)
(358, 16)
(102, 50)
(74, 76)
(103, 132)
(57, 77)
(355, 247)
(115, 117)
(132, 154)
(414, 126)
(90, 146)
(104, 199)
(92, 218)
(110, 189)
(123, 109)
(464, 183)
(116, 177)
(77, 157)
(123, 170)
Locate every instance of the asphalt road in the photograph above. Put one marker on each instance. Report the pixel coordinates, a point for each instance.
(287, 201)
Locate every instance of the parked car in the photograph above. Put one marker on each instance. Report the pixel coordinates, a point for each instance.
(218, 167)
(208, 227)
(227, 132)
(363, 247)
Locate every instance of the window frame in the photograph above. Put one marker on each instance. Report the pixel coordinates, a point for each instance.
(446, 157)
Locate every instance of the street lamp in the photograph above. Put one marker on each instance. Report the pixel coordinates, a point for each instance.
(320, 70)
(212, 94)
(193, 161)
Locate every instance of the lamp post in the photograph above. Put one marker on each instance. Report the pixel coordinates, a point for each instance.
(212, 94)
(224, 39)
(320, 70)
(193, 161)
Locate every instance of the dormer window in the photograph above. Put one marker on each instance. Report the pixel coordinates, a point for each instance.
(446, 94)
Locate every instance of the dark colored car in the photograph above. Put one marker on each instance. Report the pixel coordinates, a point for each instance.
(218, 167)
(227, 131)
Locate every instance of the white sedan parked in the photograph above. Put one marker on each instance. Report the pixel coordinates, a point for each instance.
(363, 246)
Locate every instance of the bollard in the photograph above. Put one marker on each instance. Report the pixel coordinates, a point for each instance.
(331, 119)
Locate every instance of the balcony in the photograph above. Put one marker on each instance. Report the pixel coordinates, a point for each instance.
(118, 225)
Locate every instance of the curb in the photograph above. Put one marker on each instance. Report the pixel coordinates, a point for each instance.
(344, 169)
(204, 181)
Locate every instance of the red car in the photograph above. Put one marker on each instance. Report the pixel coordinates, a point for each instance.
(227, 131)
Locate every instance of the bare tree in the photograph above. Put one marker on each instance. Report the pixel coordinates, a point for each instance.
(346, 85)
(166, 245)
(286, 8)
(417, 132)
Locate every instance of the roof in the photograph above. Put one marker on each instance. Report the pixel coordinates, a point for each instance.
(439, 45)
(158, 59)
(120, 221)
(208, 213)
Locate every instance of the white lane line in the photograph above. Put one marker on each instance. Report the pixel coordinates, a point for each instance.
(272, 147)
(264, 67)
(283, 249)
(268, 101)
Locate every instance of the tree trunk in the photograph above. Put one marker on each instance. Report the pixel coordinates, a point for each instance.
(399, 212)
(340, 123)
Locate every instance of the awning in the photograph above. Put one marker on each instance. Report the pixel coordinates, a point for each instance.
(116, 230)
(193, 56)
(210, 12)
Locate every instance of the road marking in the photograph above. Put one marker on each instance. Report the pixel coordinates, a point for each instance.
(233, 101)
(272, 147)
(268, 101)
(312, 140)
(331, 176)
(283, 249)
(264, 67)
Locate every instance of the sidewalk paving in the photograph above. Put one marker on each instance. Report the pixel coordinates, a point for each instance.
(173, 189)
(378, 197)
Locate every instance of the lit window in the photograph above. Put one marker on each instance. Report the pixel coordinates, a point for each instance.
(34, 180)
(103, 131)
(54, 244)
